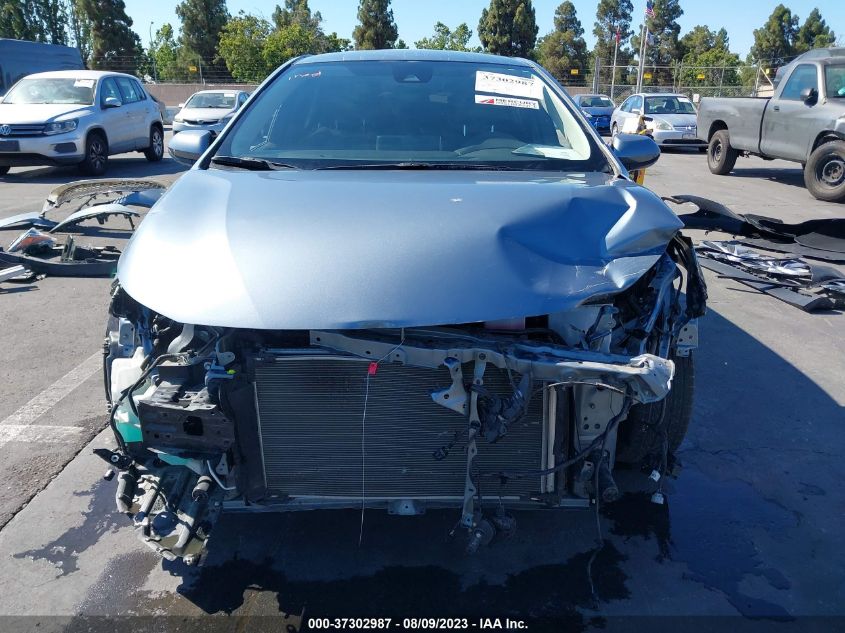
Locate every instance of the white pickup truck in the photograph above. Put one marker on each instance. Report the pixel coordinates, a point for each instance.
(803, 122)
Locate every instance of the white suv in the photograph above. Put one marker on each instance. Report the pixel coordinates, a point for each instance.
(77, 117)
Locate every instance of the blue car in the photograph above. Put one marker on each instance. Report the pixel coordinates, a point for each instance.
(397, 280)
(597, 109)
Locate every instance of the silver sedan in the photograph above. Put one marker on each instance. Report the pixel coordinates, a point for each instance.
(209, 110)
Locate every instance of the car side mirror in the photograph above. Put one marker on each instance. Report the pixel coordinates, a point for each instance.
(186, 147)
(635, 151)
(112, 102)
(809, 95)
(181, 105)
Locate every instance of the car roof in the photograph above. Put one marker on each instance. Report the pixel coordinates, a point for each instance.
(659, 94)
(221, 91)
(414, 55)
(78, 74)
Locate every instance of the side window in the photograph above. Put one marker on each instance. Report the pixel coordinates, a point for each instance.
(141, 92)
(636, 104)
(803, 77)
(242, 99)
(109, 89)
(626, 107)
(127, 89)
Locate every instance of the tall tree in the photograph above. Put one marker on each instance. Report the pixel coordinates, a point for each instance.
(707, 59)
(242, 47)
(774, 42)
(79, 28)
(14, 20)
(297, 12)
(114, 45)
(52, 18)
(564, 49)
(376, 28)
(701, 39)
(814, 33)
(166, 53)
(445, 39)
(509, 27)
(612, 16)
(664, 47)
(202, 23)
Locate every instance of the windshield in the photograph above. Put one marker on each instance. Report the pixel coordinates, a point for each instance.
(212, 100)
(834, 78)
(668, 105)
(413, 113)
(595, 102)
(63, 90)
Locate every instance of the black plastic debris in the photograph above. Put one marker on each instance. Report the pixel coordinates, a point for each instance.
(822, 239)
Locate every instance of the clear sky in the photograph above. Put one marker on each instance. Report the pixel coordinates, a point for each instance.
(415, 18)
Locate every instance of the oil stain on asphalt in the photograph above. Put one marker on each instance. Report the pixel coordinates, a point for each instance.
(707, 526)
(100, 518)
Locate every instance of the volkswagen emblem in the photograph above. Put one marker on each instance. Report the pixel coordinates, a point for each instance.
(5, 130)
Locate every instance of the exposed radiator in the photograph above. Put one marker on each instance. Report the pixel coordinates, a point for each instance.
(310, 414)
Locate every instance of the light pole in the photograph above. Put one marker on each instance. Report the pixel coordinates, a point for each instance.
(152, 54)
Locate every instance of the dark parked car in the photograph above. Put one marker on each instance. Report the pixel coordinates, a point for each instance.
(398, 280)
(597, 109)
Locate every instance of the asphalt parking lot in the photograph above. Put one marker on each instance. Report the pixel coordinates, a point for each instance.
(751, 532)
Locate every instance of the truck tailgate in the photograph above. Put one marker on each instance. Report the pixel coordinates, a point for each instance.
(742, 116)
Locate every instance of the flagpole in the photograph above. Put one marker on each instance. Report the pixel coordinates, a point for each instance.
(613, 73)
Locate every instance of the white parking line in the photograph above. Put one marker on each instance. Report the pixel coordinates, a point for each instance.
(36, 433)
(15, 427)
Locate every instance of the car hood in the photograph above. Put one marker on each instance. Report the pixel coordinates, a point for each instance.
(13, 113)
(607, 111)
(366, 249)
(676, 120)
(204, 114)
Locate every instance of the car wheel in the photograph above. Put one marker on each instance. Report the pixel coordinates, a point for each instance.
(721, 157)
(4, 169)
(96, 155)
(642, 434)
(824, 174)
(155, 152)
(614, 130)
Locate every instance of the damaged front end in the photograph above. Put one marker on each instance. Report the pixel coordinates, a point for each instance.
(517, 413)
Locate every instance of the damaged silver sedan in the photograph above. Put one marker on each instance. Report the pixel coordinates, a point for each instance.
(398, 280)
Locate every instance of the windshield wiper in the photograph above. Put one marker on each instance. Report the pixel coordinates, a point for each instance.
(252, 164)
(410, 166)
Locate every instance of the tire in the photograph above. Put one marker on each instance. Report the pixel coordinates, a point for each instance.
(721, 157)
(4, 169)
(614, 130)
(96, 155)
(155, 152)
(641, 434)
(824, 174)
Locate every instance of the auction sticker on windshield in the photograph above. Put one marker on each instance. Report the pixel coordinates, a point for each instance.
(509, 102)
(502, 84)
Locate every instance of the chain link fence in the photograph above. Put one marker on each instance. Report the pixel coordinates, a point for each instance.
(704, 81)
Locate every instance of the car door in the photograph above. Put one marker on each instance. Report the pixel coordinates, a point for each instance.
(631, 116)
(618, 115)
(790, 124)
(136, 110)
(115, 120)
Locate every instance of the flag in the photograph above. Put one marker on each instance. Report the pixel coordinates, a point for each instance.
(649, 8)
(618, 36)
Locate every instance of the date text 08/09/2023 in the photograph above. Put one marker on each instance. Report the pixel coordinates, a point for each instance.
(409, 624)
